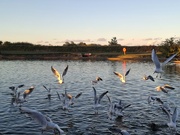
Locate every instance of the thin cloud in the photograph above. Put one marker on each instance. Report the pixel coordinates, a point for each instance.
(101, 40)
(120, 39)
(147, 39)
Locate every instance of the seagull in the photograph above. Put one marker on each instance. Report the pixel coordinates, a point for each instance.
(122, 77)
(163, 88)
(97, 100)
(153, 99)
(159, 65)
(172, 117)
(42, 120)
(148, 77)
(58, 75)
(68, 99)
(49, 92)
(14, 89)
(28, 91)
(120, 108)
(97, 80)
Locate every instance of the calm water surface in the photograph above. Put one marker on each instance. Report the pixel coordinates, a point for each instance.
(81, 118)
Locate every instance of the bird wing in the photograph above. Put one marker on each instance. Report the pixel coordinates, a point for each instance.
(118, 74)
(95, 95)
(101, 96)
(127, 72)
(20, 86)
(151, 78)
(155, 59)
(56, 73)
(46, 88)
(169, 87)
(168, 59)
(175, 114)
(35, 115)
(58, 95)
(78, 95)
(65, 71)
(108, 99)
(167, 113)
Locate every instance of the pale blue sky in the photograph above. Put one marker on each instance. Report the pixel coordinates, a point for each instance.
(132, 22)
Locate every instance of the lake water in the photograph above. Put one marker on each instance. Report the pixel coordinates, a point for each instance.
(81, 118)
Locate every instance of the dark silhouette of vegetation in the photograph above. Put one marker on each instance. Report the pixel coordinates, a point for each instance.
(71, 49)
(170, 46)
(113, 42)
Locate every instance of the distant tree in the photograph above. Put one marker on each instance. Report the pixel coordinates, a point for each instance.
(82, 44)
(170, 46)
(7, 43)
(113, 42)
(1, 42)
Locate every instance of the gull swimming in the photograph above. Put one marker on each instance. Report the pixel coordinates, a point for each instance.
(97, 80)
(97, 100)
(159, 65)
(122, 77)
(163, 88)
(148, 77)
(43, 120)
(58, 75)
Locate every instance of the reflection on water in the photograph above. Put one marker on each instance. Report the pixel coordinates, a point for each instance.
(81, 118)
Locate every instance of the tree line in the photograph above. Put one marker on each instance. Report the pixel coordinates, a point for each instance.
(167, 47)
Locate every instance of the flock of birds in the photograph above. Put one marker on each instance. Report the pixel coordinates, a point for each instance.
(115, 108)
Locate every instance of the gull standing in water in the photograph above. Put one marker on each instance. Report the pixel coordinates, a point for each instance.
(122, 77)
(58, 75)
(159, 65)
(44, 121)
(97, 80)
(97, 100)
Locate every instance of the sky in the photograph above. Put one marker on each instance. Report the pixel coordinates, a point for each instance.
(54, 22)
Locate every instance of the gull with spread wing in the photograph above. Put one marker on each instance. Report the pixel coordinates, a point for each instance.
(164, 88)
(43, 120)
(97, 100)
(172, 117)
(58, 75)
(159, 65)
(122, 77)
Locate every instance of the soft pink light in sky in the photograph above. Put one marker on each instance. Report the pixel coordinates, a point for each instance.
(55, 22)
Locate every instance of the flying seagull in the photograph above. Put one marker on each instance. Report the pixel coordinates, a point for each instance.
(97, 100)
(159, 65)
(97, 80)
(41, 119)
(58, 75)
(148, 77)
(28, 92)
(172, 117)
(164, 88)
(122, 77)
